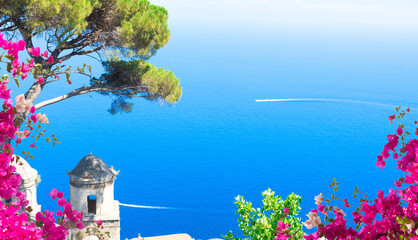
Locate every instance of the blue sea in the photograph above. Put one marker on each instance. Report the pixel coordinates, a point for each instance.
(218, 142)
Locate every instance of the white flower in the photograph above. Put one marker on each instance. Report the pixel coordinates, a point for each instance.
(23, 135)
(318, 199)
(313, 221)
(411, 225)
(42, 118)
(21, 104)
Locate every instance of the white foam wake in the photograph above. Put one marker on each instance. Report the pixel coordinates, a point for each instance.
(172, 208)
(323, 100)
(142, 206)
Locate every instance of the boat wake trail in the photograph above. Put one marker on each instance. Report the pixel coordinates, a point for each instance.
(324, 100)
(172, 208)
(142, 206)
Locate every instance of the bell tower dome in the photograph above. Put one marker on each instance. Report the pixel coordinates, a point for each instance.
(91, 186)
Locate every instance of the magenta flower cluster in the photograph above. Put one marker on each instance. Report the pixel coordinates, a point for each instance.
(14, 222)
(66, 217)
(281, 231)
(389, 216)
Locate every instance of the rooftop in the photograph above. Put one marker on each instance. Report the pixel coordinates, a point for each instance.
(91, 169)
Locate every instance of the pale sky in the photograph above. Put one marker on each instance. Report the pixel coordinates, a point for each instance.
(354, 13)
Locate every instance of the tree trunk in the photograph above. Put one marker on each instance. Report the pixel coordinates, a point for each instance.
(32, 93)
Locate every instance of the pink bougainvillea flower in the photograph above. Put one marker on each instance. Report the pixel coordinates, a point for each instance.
(40, 80)
(60, 60)
(36, 52)
(59, 213)
(53, 193)
(34, 118)
(282, 226)
(60, 194)
(380, 162)
(45, 54)
(50, 60)
(392, 117)
(31, 63)
(23, 75)
(79, 225)
(68, 209)
(399, 131)
(380, 194)
(379, 218)
(286, 210)
(385, 154)
(346, 203)
(339, 210)
(398, 183)
(25, 68)
(62, 202)
(321, 208)
(14, 224)
(99, 223)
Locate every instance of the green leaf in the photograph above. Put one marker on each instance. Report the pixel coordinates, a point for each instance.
(10, 57)
(9, 67)
(17, 82)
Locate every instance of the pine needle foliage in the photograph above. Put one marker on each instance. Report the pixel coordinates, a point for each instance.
(133, 28)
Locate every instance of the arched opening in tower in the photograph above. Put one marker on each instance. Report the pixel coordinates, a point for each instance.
(91, 204)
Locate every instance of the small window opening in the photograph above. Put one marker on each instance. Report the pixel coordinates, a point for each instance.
(91, 204)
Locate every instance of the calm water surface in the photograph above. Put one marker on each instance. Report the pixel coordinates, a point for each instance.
(217, 142)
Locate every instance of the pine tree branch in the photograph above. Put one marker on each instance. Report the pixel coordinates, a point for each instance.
(84, 90)
(68, 56)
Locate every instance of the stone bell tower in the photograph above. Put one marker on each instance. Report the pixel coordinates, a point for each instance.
(91, 186)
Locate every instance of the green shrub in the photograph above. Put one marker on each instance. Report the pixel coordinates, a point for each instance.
(261, 223)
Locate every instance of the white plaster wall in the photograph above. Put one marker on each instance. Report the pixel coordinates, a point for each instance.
(32, 198)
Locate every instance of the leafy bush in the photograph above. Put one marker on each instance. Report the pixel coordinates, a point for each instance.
(264, 223)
